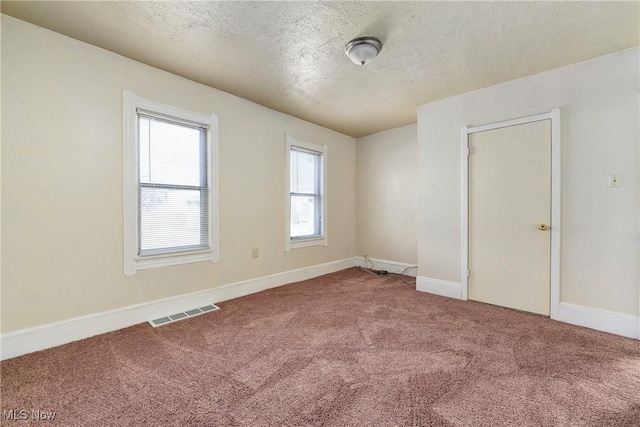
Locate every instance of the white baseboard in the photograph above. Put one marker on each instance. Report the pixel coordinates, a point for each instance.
(601, 320)
(390, 266)
(25, 341)
(439, 287)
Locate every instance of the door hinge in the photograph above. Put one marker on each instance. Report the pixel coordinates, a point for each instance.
(468, 273)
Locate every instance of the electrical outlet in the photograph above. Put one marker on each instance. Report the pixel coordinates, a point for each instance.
(614, 181)
(255, 252)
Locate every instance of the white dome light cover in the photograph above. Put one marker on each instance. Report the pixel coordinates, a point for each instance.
(363, 49)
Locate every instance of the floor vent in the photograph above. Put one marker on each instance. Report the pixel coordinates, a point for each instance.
(184, 315)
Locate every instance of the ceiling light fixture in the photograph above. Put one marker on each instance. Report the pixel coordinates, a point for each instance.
(363, 49)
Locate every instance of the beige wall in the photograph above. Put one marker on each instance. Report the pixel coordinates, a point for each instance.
(387, 198)
(62, 177)
(600, 136)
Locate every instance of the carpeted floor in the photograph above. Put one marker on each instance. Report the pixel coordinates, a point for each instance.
(346, 349)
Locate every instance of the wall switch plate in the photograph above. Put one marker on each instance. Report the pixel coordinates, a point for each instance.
(614, 181)
(255, 252)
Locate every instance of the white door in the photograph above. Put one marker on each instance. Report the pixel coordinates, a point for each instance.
(510, 216)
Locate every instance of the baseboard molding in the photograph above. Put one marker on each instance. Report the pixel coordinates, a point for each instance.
(601, 320)
(593, 318)
(390, 266)
(439, 287)
(29, 340)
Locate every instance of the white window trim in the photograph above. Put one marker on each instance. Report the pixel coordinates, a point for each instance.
(133, 262)
(321, 240)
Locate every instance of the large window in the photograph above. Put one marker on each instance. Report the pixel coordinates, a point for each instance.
(170, 185)
(306, 194)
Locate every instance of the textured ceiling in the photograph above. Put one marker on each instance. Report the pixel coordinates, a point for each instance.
(289, 56)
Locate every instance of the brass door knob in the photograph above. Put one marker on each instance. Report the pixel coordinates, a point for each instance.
(543, 227)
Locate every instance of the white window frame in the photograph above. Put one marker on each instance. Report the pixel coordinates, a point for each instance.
(303, 242)
(132, 260)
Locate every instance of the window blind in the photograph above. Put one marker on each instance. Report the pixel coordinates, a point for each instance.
(173, 186)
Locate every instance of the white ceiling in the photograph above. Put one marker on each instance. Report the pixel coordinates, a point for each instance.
(289, 56)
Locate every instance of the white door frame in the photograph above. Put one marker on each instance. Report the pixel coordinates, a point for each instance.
(556, 187)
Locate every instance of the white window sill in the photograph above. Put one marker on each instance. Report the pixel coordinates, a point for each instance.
(169, 260)
(305, 243)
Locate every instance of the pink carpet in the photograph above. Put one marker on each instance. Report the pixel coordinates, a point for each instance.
(345, 349)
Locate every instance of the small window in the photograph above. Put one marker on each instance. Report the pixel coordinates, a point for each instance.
(306, 194)
(170, 191)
